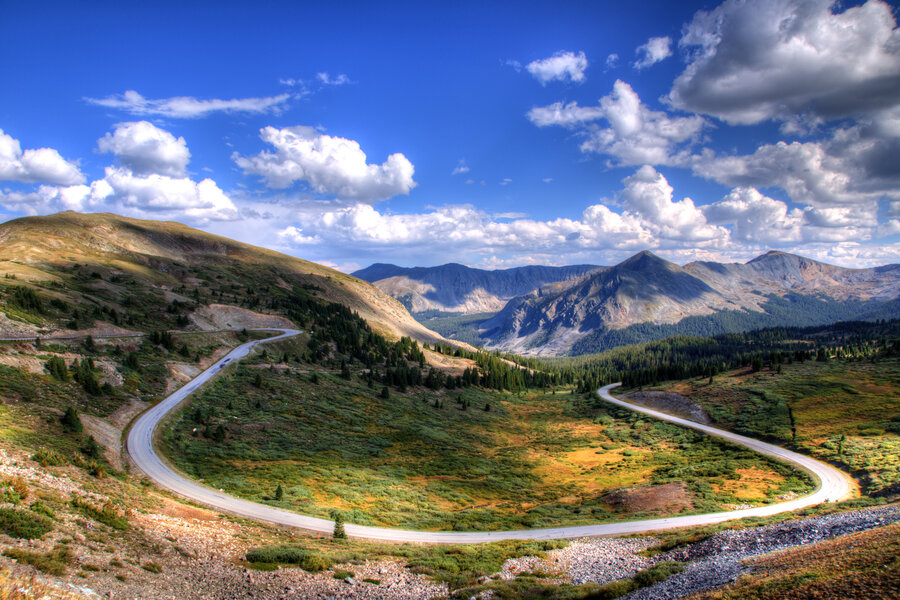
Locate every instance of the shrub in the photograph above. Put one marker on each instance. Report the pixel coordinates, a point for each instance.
(24, 524)
(657, 573)
(342, 574)
(48, 458)
(70, 421)
(53, 562)
(107, 514)
(152, 567)
(307, 560)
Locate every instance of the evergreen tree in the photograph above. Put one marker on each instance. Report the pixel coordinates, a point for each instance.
(279, 493)
(91, 448)
(339, 533)
(70, 421)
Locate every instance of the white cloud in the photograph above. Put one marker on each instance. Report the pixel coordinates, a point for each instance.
(43, 165)
(505, 181)
(461, 167)
(648, 195)
(330, 165)
(145, 148)
(807, 171)
(562, 66)
(636, 135)
(650, 219)
(565, 115)
(755, 217)
(612, 61)
(775, 59)
(655, 50)
(339, 79)
(188, 107)
(121, 191)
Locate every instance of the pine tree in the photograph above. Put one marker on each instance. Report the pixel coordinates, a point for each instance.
(70, 421)
(339, 533)
(279, 493)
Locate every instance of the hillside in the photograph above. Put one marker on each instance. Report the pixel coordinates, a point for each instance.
(460, 289)
(646, 297)
(149, 274)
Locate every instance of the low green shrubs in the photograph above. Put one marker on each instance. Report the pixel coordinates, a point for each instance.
(308, 560)
(24, 524)
(53, 562)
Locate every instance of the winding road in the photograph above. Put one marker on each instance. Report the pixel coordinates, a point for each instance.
(833, 484)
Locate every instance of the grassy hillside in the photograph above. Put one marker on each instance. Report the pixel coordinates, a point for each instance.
(844, 411)
(89, 268)
(466, 459)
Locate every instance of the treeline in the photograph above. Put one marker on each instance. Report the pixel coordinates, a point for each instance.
(682, 357)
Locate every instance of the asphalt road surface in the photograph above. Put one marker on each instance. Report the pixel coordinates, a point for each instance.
(833, 485)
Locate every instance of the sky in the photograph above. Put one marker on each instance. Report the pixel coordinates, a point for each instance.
(489, 134)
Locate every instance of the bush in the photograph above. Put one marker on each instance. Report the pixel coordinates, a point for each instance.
(70, 421)
(152, 567)
(24, 524)
(48, 458)
(308, 560)
(53, 562)
(107, 514)
(657, 573)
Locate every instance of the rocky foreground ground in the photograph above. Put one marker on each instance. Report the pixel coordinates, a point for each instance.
(711, 563)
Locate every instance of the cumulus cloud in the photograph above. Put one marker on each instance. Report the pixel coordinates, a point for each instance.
(649, 196)
(121, 191)
(655, 50)
(775, 59)
(757, 218)
(636, 135)
(145, 148)
(651, 218)
(43, 165)
(329, 165)
(188, 107)
(562, 66)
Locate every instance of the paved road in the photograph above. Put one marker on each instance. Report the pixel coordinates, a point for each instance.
(140, 445)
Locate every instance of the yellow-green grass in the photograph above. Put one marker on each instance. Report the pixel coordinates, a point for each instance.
(535, 460)
(845, 411)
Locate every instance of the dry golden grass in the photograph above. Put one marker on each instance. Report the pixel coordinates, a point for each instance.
(864, 565)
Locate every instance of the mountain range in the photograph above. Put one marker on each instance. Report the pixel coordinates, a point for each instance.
(457, 288)
(646, 297)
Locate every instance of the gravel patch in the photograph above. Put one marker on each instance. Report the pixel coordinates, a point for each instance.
(718, 560)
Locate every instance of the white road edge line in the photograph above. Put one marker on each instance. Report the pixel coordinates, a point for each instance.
(832, 483)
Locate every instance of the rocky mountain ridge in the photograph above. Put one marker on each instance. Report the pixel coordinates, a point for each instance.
(457, 288)
(646, 291)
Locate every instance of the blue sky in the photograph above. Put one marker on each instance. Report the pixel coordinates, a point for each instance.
(493, 135)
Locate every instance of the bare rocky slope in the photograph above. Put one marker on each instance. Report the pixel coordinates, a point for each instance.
(646, 297)
(139, 258)
(457, 288)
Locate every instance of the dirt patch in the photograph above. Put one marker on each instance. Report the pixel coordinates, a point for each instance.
(672, 403)
(669, 498)
(108, 432)
(449, 364)
(180, 374)
(221, 316)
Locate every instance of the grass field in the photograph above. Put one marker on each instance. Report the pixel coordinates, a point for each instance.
(439, 460)
(847, 412)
